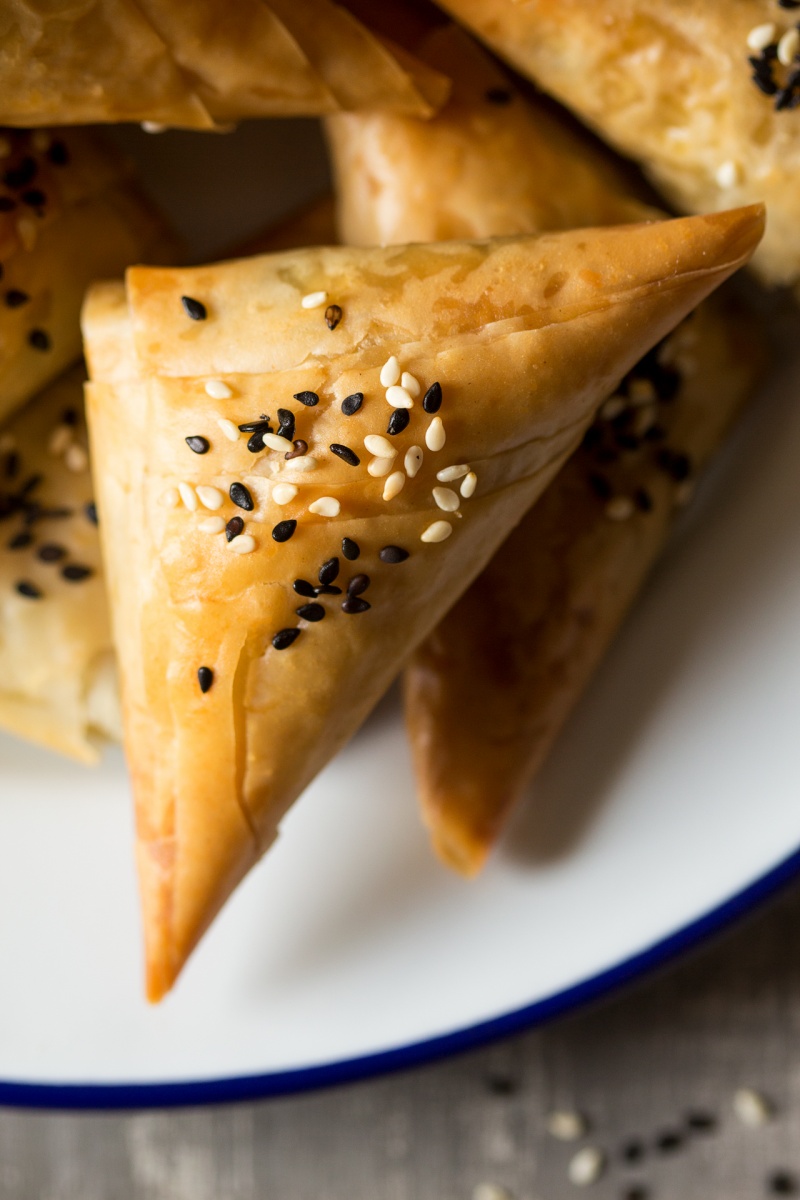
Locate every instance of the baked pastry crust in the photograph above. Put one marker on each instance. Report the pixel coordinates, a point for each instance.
(70, 212)
(187, 63)
(57, 674)
(670, 84)
(522, 335)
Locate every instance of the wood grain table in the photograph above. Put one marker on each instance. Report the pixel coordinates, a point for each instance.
(635, 1065)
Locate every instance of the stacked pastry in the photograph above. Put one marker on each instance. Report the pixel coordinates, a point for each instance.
(452, 445)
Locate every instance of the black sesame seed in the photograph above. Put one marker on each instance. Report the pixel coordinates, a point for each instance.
(350, 549)
(656, 433)
(789, 96)
(39, 339)
(284, 638)
(284, 530)
(15, 298)
(398, 421)
(307, 398)
(605, 456)
(20, 541)
(35, 512)
(600, 486)
(11, 465)
(788, 3)
(58, 154)
(8, 505)
(632, 1151)
(75, 573)
(329, 571)
(354, 604)
(764, 84)
(333, 315)
(233, 528)
(628, 441)
(393, 554)
(286, 424)
(432, 400)
(345, 454)
(678, 466)
(51, 552)
(205, 677)
(30, 484)
(194, 308)
(701, 1122)
(304, 588)
(357, 585)
(782, 1183)
(299, 448)
(90, 512)
(21, 176)
(502, 1085)
(351, 404)
(69, 417)
(255, 443)
(637, 1191)
(327, 589)
(29, 590)
(499, 95)
(7, 204)
(592, 438)
(643, 500)
(310, 612)
(669, 1141)
(262, 425)
(241, 497)
(200, 445)
(34, 198)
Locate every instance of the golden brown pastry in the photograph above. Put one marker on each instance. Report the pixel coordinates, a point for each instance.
(197, 63)
(70, 212)
(377, 370)
(704, 94)
(57, 676)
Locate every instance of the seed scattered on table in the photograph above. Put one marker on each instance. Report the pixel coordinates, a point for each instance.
(751, 1107)
(566, 1125)
(586, 1167)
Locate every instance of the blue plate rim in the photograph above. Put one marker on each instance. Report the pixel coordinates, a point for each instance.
(105, 1097)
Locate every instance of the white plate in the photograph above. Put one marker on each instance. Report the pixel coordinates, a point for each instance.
(670, 804)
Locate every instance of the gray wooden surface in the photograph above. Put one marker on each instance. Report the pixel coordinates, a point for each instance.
(726, 1017)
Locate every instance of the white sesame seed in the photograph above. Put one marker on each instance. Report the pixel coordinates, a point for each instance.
(394, 485)
(413, 461)
(153, 127)
(283, 493)
(641, 391)
(751, 1107)
(645, 419)
(276, 443)
(586, 1166)
(619, 508)
(171, 498)
(28, 232)
(728, 174)
(380, 446)
(467, 488)
(410, 383)
(228, 428)
(244, 544)
(60, 438)
(76, 459)
(449, 474)
(306, 462)
(761, 36)
(326, 506)
(788, 47)
(217, 390)
(314, 300)
(435, 435)
(41, 141)
(446, 499)
(212, 525)
(5, 147)
(565, 1125)
(187, 496)
(439, 531)
(210, 497)
(684, 493)
(378, 467)
(390, 372)
(612, 408)
(491, 1191)
(398, 397)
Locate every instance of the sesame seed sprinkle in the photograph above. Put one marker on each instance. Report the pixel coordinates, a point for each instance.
(188, 496)
(432, 400)
(212, 525)
(274, 441)
(199, 445)
(243, 545)
(234, 527)
(304, 588)
(228, 428)
(398, 421)
(788, 47)
(435, 436)
(468, 485)
(286, 424)
(283, 493)
(15, 298)
(398, 397)
(439, 531)
(76, 459)
(51, 552)
(217, 390)
(566, 1125)
(410, 383)
(350, 549)
(413, 461)
(29, 590)
(314, 300)
(392, 554)
(390, 372)
(310, 612)
(394, 485)
(378, 467)
(446, 499)
(586, 1166)
(333, 315)
(326, 506)
(205, 677)
(310, 399)
(284, 638)
(76, 573)
(59, 440)
(354, 604)
(328, 571)
(378, 445)
(171, 498)
(299, 448)
(345, 454)
(450, 474)
(760, 36)
(241, 497)
(284, 530)
(351, 404)
(213, 498)
(194, 309)
(620, 508)
(39, 340)
(728, 174)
